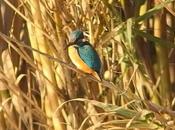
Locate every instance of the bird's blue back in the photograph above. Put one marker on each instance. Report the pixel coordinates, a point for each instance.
(89, 56)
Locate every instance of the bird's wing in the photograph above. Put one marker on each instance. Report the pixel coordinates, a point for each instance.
(79, 62)
(90, 57)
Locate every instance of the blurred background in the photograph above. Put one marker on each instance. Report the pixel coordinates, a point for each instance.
(40, 89)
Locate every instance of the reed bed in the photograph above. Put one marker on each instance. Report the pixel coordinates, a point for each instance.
(40, 89)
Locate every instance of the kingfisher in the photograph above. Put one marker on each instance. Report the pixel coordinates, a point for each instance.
(83, 55)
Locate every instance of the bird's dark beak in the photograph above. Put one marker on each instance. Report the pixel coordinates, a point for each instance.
(71, 43)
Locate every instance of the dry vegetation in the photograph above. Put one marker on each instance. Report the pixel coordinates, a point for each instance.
(41, 90)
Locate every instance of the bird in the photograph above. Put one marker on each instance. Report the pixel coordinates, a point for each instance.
(83, 55)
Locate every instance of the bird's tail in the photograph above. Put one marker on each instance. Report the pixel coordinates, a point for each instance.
(97, 76)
